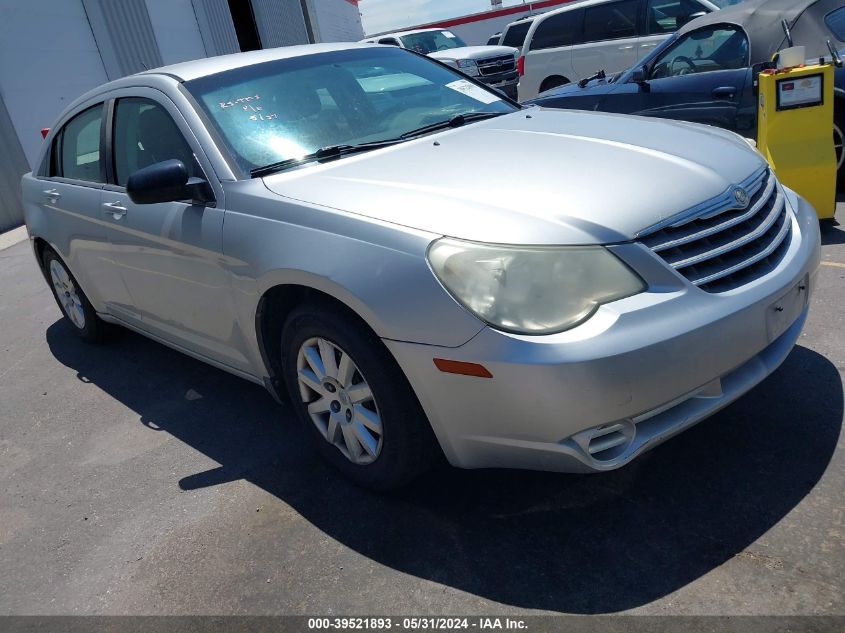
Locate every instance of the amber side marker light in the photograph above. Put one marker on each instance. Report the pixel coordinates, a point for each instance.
(460, 367)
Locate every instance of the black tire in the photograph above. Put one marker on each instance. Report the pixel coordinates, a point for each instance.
(553, 82)
(407, 446)
(92, 329)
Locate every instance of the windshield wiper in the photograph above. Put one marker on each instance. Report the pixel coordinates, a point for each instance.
(330, 152)
(599, 75)
(456, 121)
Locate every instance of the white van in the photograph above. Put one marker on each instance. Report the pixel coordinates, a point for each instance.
(580, 39)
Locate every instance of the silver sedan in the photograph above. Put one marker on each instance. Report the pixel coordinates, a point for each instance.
(422, 266)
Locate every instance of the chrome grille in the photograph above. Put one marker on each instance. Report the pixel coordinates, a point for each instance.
(719, 247)
(496, 65)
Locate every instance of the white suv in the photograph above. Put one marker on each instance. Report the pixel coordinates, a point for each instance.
(578, 40)
(492, 65)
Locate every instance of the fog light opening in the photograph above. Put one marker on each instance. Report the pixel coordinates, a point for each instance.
(610, 442)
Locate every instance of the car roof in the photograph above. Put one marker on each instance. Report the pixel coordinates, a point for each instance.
(523, 20)
(186, 71)
(401, 33)
(761, 21)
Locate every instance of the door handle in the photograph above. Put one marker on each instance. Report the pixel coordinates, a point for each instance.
(647, 45)
(627, 48)
(724, 92)
(116, 209)
(52, 194)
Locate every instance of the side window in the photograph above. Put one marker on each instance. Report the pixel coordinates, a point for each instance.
(703, 51)
(144, 134)
(515, 35)
(77, 150)
(557, 30)
(667, 16)
(835, 21)
(389, 40)
(611, 21)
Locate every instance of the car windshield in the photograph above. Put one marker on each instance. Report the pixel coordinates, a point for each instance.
(432, 41)
(289, 108)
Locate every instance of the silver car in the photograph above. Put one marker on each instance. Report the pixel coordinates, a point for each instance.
(334, 222)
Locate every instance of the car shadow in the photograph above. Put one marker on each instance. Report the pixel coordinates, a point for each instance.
(566, 543)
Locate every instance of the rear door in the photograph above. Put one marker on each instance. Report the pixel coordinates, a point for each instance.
(664, 17)
(609, 38)
(69, 195)
(170, 254)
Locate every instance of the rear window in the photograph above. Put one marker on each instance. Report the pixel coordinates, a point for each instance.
(611, 21)
(835, 21)
(515, 35)
(557, 30)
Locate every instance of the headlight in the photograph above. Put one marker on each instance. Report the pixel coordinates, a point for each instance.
(469, 66)
(531, 289)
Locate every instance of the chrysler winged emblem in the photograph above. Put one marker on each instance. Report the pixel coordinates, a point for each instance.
(741, 197)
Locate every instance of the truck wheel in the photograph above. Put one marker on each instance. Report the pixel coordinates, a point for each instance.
(349, 391)
(74, 304)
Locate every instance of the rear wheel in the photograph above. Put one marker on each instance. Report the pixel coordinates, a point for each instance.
(553, 82)
(354, 398)
(71, 299)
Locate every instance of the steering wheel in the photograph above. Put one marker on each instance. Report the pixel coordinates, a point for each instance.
(682, 58)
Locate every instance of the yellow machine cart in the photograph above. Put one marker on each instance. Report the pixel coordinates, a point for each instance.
(794, 131)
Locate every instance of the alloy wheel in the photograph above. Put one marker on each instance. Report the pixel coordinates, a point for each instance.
(67, 294)
(339, 400)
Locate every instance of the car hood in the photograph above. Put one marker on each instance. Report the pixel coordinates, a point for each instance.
(595, 87)
(473, 52)
(533, 177)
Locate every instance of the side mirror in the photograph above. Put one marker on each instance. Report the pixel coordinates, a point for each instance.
(640, 75)
(166, 181)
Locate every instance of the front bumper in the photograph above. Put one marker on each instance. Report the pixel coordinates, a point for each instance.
(638, 372)
(507, 84)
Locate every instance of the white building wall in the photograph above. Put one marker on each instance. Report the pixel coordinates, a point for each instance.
(176, 30)
(335, 20)
(48, 57)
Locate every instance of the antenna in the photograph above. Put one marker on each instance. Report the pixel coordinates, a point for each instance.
(786, 30)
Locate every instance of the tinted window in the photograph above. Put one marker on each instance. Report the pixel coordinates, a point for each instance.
(515, 35)
(667, 16)
(79, 154)
(291, 107)
(835, 21)
(611, 21)
(431, 41)
(144, 133)
(703, 51)
(390, 41)
(556, 30)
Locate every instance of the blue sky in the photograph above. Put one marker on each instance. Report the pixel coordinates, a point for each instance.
(384, 15)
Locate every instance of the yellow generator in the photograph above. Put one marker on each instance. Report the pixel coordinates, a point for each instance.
(794, 123)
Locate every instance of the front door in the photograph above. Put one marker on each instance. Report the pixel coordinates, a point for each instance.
(702, 78)
(169, 254)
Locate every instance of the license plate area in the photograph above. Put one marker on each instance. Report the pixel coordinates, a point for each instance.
(783, 312)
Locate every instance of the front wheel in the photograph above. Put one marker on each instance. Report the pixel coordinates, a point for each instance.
(74, 304)
(351, 394)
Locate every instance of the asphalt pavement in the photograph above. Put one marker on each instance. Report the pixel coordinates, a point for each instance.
(135, 480)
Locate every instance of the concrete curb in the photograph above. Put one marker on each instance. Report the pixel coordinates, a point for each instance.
(10, 238)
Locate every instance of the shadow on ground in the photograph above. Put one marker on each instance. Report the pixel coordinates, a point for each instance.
(577, 544)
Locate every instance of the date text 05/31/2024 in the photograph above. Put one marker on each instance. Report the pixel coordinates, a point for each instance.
(417, 623)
